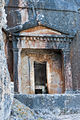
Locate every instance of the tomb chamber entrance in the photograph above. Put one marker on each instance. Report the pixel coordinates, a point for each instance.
(42, 72)
(40, 77)
(41, 61)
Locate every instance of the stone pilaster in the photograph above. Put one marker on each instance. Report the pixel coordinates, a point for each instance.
(67, 71)
(15, 64)
(75, 49)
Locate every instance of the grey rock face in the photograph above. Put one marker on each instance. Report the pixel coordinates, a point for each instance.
(5, 84)
(60, 15)
(55, 104)
(22, 112)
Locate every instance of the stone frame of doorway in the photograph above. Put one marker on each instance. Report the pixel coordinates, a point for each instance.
(55, 42)
(54, 86)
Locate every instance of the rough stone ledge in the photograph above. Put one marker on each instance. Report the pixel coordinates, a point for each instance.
(22, 112)
(58, 104)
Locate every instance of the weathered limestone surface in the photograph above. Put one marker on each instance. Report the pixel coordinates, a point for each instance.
(55, 81)
(75, 59)
(56, 104)
(21, 112)
(60, 15)
(64, 13)
(5, 84)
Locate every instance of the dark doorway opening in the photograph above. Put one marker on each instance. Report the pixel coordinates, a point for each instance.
(38, 91)
(40, 78)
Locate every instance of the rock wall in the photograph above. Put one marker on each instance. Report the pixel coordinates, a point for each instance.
(55, 104)
(5, 84)
(63, 16)
(60, 15)
(75, 59)
(21, 112)
(55, 81)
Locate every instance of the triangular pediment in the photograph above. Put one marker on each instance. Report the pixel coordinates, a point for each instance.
(40, 30)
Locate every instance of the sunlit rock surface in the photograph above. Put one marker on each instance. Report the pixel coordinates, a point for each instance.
(6, 96)
(22, 112)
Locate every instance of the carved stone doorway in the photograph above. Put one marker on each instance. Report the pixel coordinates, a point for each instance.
(50, 40)
(40, 77)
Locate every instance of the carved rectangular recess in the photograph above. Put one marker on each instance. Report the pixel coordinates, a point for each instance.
(40, 77)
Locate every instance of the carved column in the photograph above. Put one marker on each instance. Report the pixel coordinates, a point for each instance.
(67, 71)
(15, 64)
(19, 70)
